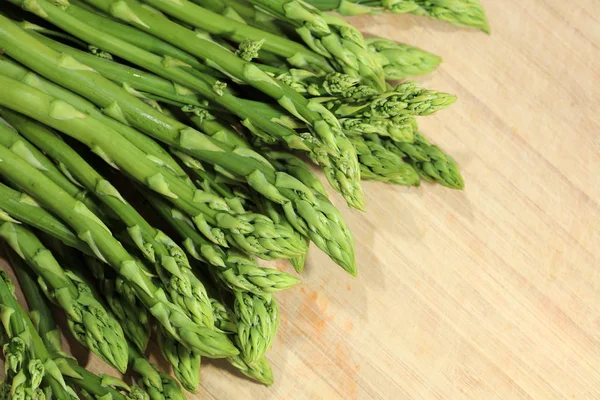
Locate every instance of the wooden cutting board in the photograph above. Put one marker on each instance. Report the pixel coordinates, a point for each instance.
(489, 293)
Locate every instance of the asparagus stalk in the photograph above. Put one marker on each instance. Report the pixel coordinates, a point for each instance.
(158, 385)
(120, 298)
(295, 53)
(323, 126)
(401, 60)
(468, 13)
(12, 140)
(404, 100)
(259, 370)
(27, 360)
(89, 322)
(380, 164)
(90, 229)
(186, 364)
(314, 217)
(257, 323)
(154, 151)
(104, 386)
(167, 257)
(400, 128)
(429, 161)
(329, 36)
(235, 270)
(17, 206)
(251, 232)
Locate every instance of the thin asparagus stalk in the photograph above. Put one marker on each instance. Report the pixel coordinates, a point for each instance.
(401, 60)
(104, 386)
(380, 164)
(89, 322)
(303, 210)
(158, 385)
(27, 360)
(429, 161)
(167, 257)
(234, 269)
(254, 233)
(90, 229)
(244, 12)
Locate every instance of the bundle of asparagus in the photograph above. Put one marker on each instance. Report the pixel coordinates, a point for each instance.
(152, 150)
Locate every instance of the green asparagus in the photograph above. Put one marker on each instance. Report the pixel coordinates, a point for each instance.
(186, 364)
(27, 360)
(41, 315)
(89, 322)
(169, 260)
(90, 229)
(380, 164)
(429, 161)
(257, 323)
(158, 385)
(401, 60)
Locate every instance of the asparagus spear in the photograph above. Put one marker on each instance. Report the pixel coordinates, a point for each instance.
(90, 229)
(167, 257)
(429, 161)
(333, 145)
(17, 206)
(295, 53)
(120, 298)
(405, 99)
(469, 13)
(158, 385)
(251, 232)
(27, 360)
(154, 151)
(186, 364)
(259, 370)
(89, 322)
(401, 60)
(100, 386)
(330, 36)
(12, 140)
(314, 217)
(380, 164)
(235, 270)
(257, 323)
(400, 128)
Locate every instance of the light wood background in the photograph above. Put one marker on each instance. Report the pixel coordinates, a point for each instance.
(490, 293)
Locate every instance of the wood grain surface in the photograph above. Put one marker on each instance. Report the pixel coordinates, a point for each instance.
(490, 293)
